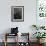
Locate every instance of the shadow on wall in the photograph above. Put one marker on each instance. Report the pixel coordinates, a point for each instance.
(7, 31)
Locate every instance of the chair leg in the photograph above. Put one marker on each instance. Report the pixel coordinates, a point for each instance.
(5, 43)
(5, 39)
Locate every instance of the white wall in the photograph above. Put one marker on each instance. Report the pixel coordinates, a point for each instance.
(29, 15)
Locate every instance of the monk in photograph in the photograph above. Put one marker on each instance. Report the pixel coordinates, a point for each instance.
(17, 14)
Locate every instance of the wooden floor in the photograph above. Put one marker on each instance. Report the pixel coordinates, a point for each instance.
(13, 44)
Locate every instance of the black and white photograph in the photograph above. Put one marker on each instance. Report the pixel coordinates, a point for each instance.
(17, 13)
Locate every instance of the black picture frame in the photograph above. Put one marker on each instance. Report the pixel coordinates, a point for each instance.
(17, 13)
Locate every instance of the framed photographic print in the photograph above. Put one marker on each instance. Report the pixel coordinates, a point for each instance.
(41, 8)
(17, 13)
(41, 12)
